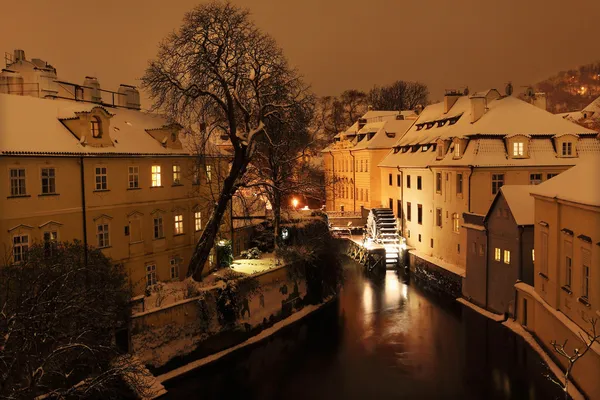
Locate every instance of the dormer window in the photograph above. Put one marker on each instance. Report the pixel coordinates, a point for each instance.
(440, 151)
(424, 148)
(457, 149)
(567, 149)
(518, 149)
(441, 123)
(419, 127)
(430, 125)
(96, 127)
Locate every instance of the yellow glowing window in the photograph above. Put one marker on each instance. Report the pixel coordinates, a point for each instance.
(156, 181)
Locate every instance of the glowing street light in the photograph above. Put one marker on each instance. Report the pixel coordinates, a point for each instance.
(295, 202)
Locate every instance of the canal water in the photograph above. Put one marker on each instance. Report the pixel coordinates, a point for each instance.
(388, 339)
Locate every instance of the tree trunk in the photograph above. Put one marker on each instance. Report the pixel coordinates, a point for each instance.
(207, 240)
(276, 217)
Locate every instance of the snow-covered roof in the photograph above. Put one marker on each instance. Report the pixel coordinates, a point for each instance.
(31, 126)
(520, 202)
(505, 117)
(578, 184)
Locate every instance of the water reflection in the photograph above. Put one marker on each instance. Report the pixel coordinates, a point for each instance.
(385, 339)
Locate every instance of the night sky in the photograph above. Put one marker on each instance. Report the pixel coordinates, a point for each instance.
(336, 45)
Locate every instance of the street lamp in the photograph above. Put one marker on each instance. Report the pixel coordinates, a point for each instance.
(295, 203)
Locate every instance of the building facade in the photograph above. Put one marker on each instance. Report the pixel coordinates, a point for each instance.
(457, 156)
(350, 162)
(109, 175)
(565, 294)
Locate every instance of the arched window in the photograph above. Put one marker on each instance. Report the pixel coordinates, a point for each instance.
(96, 127)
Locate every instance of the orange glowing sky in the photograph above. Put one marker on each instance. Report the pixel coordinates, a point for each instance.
(336, 44)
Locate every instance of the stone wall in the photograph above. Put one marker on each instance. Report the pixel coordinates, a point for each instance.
(435, 276)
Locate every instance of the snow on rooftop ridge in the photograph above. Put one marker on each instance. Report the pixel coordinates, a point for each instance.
(578, 184)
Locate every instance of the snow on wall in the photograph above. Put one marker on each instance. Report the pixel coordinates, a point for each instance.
(160, 334)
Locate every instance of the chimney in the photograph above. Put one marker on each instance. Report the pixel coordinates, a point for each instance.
(91, 92)
(19, 55)
(450, 98)
(128, 97)
(478, 107)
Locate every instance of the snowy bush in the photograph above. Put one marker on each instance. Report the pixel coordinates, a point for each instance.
(251, 254)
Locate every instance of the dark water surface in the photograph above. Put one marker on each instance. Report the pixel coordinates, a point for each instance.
(381, 340)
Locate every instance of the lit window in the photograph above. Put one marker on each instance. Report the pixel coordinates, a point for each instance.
(102, 235)
(457, 149)
(150, 275)
(176, 174)
(518, 149)
(50, 239)
(208, 173)
(455, 223)
(17, 182)
(174, 264)
(535, 179)
(133, 177)
(567, 149)
(532, 255)
(158, 228)
(198, 221)
(481, 250)
(178, 224)
(506, 257)
(101, 183)
(497, 182)
(497, 254)
(95, 127)
(20, 248)
(156, 181)
(48, 181)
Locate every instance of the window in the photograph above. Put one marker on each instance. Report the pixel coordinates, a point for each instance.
(391, 204)
(366, 194)
(535, 179)
(366, 165)
(420, 214)
(361, 165)
(408, 210)
(455, 222)
(438, 217)
(176, 174)
(48, 181)
(408, 181)
(431, 243)
(549, 176)
(50, 238)
(133, 177)
(150, 275)
(440, 150)
(459, 183)
(156, 181)
(458, 248)
(101, 178)
(497, 254)
(518, 149)
(20, 248)
(419, 238)
(567, 149)
(197, 221)
(102, 235)
(361, 195)
(174, 264)
(481, 250)
(179, 224)
(568, 263)
(533, 255)
(457, 149)
(497, 182)
(208, 173)
(196, 176)
(438, 182)
(399, 208)
(585, 261)
(390, 179)
(211, 259)
(506, 257)
(158, 228)
(17, 182)
(419, 183)
(398, 180)
(95, 127)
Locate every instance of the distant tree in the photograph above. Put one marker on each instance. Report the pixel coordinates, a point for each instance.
(399, 95)
(354, 104)
(58, 318)
(220, 75)
(329, 117)
(587, 341)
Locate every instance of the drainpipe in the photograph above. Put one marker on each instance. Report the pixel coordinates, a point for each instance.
(401, 199)
(83, 210)
(520, 264)
(353, 180)
(487, 255)
(333, 178)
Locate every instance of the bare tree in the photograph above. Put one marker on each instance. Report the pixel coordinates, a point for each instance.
(400, 95)
(588, 341)
(354, 104)
(57, 322)
(218, 74)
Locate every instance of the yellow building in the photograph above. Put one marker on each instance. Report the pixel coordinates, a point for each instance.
(108, 174)
(351, 160)
(566, 291)
(458, 154)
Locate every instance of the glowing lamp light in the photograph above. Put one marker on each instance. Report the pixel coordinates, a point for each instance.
(221, 242)
(295, 202)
